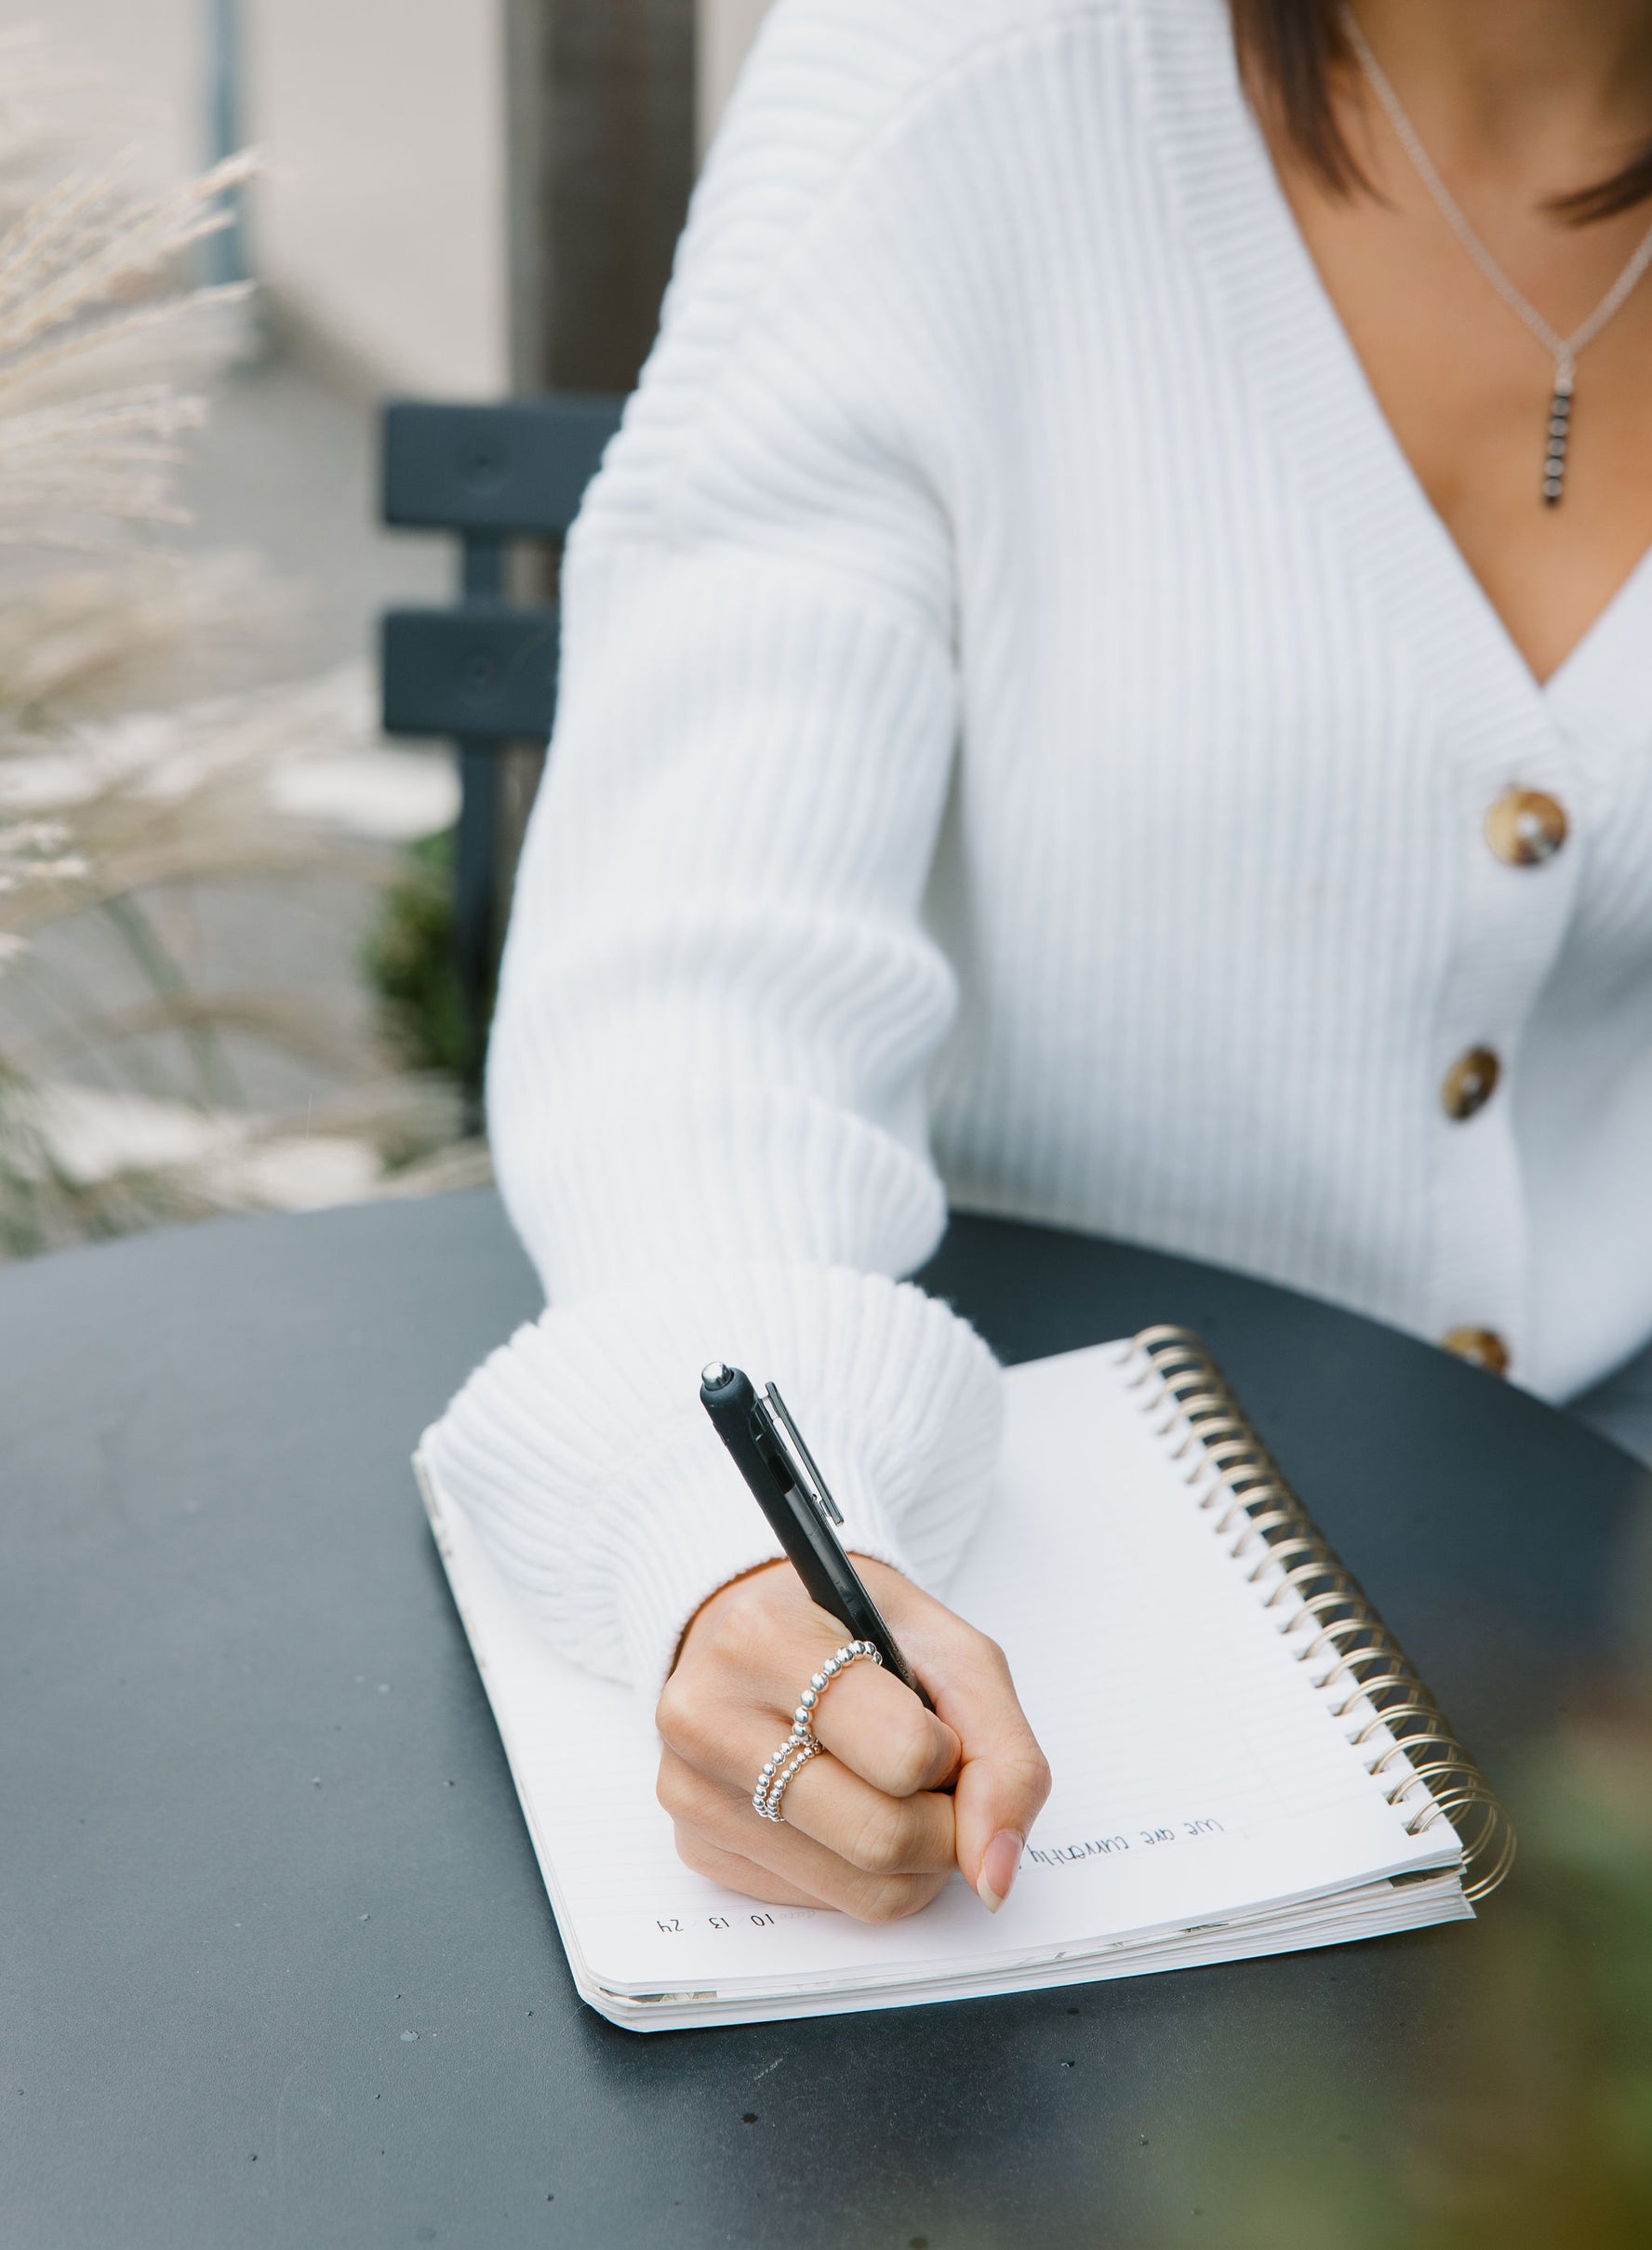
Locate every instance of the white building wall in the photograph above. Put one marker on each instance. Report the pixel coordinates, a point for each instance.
(383, 222)
(726, 29)
(380, 223)
(134, 68)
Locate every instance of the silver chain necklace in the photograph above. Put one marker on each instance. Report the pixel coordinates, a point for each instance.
(1563, 350)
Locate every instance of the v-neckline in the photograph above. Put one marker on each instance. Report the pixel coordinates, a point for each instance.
(1603, 692)
(1301, 366)
(1616, 619)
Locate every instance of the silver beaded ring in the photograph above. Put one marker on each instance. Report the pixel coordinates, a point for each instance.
(857, 1652)
(799, 1738)
(800, 1746)
(795, 1757)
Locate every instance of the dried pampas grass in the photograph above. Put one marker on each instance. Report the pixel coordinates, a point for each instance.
(83, 453)
(124, 782)
(91, 304)
(107, 355)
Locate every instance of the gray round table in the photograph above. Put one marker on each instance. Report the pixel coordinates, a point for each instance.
(278, 1966)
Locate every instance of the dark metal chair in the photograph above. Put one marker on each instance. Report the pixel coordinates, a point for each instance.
(483, 673)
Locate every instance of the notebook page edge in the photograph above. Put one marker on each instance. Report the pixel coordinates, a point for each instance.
(440, 1514)
(1247, 1943)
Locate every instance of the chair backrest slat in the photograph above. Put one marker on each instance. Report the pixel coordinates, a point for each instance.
(482, 670)
(473, 673)
(519, 469)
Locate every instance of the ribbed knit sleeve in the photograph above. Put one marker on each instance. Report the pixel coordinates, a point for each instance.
(718, 1004)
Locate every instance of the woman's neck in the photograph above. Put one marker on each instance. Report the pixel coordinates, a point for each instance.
(1537, 94)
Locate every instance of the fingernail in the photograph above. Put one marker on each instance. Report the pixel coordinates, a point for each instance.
(999, 1868)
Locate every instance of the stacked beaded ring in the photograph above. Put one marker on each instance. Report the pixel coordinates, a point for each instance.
(800, 1744)
(856, 1653)
(781, 1771)
(799, 1738)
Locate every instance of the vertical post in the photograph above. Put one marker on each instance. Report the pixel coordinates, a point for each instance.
(601, 99)
(600, 161)
(225, 253)
(475, 868)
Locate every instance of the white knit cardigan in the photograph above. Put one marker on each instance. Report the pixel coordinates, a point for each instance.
(1025, 738)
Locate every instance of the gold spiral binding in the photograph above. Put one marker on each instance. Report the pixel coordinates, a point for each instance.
(1398, 1729)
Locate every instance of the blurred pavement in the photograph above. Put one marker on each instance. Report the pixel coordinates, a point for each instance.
(288, 468)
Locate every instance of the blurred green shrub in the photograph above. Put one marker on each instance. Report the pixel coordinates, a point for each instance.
(408, 961)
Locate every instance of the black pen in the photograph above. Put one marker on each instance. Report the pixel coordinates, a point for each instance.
(769, 1453)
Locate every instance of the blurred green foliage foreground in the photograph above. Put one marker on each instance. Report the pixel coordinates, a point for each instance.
(410, 962)
(1527, 2125)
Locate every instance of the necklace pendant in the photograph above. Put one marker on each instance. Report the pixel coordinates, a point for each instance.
(1560, 434)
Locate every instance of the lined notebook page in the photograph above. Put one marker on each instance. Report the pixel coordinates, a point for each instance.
(1199, 1776)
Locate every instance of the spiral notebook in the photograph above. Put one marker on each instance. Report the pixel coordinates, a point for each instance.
(1245, 1761)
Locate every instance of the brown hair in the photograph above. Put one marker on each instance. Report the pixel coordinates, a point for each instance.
(1289, 50)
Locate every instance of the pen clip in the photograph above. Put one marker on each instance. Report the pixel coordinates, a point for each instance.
(788, 1441)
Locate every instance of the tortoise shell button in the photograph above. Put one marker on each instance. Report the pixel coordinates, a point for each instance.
(1481, 1347)
(1525, 827)
(1471, 1083)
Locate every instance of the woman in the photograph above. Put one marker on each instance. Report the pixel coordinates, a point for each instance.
(1110, 668)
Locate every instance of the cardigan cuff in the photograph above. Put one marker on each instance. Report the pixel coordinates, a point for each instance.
(694, 1529)
(583, 1455)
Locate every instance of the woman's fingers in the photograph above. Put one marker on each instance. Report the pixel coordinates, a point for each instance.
(866, 1830)
(880, 1731)
(864, 1716)
(826, 1805)
(1004, 1779)
(735, 1873)
(710, 1823)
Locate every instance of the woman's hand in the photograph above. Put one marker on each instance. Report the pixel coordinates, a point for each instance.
(867, 1828)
